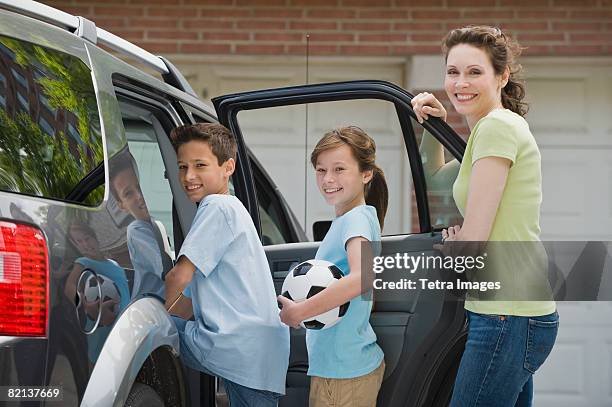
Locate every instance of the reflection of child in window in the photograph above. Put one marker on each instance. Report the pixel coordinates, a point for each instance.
(108, 271)
(84, 239)
(144, 239)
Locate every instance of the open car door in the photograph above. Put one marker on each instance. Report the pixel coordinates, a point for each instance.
(422, 332)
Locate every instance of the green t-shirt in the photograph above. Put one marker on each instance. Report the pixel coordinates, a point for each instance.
(503, 133)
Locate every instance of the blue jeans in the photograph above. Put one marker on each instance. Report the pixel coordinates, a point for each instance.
(241, 396)
(238, 395)
(501, 355)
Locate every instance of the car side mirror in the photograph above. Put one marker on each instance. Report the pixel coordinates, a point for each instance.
(320, 229)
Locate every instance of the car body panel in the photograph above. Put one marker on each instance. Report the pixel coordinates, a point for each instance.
(142, 328)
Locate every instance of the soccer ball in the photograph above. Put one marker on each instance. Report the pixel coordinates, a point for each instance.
(310, 278)
(107, 287)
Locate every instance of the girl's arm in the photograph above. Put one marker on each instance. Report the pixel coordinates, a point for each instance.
(487, 184)
(333, 296)
(70, 288)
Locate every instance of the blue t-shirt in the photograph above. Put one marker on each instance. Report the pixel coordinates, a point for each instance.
(147, 258)
(237, 333)
(349, 348)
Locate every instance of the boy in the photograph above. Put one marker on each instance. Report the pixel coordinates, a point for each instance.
(144, 240)
(237, 334)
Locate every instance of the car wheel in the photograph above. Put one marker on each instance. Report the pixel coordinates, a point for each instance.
(142, 395)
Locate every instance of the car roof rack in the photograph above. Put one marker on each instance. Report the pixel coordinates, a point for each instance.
(87, 30)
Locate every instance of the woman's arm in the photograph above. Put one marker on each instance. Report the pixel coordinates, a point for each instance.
(333, 296)
(485, 191)
(439, 175)
(432, 154)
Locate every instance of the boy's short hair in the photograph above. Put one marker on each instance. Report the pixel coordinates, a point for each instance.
(218, 137)
(119, 163)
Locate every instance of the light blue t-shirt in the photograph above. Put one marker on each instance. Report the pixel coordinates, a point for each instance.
(349, 348)
(148, 259)
(237, 333)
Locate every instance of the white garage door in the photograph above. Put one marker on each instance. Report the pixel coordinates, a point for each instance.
(572, 122)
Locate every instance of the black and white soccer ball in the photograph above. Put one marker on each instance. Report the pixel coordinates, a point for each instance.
(310, 278)
(108, 289)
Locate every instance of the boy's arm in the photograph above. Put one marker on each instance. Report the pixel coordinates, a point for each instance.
(177, 279)
(182, 307)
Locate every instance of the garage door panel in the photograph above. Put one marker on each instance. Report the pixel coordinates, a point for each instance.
(609, 194)
(577, 194)
(607, 378)
(568, 378)
(229, 79)
(549, 96)
(398, 218)
(570, 105)
(277, 159)
(324, 73)
(562, 212)
(565, 370)
(579, 370)
(288, 121)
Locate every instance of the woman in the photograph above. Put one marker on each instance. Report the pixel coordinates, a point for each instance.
(498, 190)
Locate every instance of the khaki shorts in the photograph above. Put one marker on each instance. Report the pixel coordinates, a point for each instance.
(359, 391)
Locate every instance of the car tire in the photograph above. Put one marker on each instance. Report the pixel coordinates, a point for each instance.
(142, 395)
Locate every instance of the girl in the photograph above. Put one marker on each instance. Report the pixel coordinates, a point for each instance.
(345, 362)
(498, 190)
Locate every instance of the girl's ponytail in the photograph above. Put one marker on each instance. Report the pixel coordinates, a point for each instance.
(377, 194)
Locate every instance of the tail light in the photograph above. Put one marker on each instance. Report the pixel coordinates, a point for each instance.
(24, 280)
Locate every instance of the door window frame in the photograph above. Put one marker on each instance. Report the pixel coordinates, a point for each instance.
(228, 107)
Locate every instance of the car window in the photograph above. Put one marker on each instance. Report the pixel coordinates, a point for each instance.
(141, 127)
(51, 144)
(441, 170)
(283, 138)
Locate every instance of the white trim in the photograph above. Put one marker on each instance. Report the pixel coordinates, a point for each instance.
(57, 17)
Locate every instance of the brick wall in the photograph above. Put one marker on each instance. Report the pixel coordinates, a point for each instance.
(346, 27)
